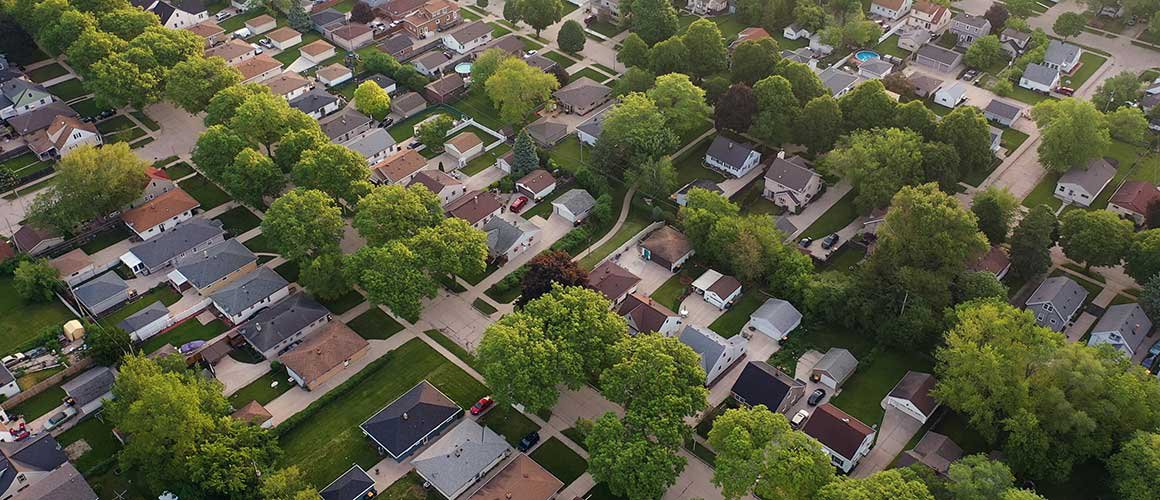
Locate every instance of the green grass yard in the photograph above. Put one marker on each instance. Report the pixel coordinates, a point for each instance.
(288, 56)
(671, 292)
(39, 405)
(179, 170)
(46, 73)
(259, 244)
(561, 59)
(403, 130)
(344, 303)
(375, 324)
(204, 191)
(188, 331)
(691, 165)
(238, 220)
(638, 218)
(146, 121)
(590, 73)
(476, 104)
(98, 434)
(164, 293)
(862, 394)
(1089, 63)
(69, 89)
(560, 460)
(497, 30)
(837, 217)
(483, 306)
(890, 46)
(261, 390)
(1042, 194)
(87, 107)
(32, 378)
(731, 323)
(21, 322)
(1012, 139)
(24, 164)
(508, 422)
(115, 124)
(456, 349)
(487, 159)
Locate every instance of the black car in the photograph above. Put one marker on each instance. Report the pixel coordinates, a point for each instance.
(829, 241)
(805, 242)
(528, 441)
(816, 397)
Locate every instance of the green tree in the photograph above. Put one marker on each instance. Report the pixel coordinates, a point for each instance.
(224, 104)
(669, 56)
(820, 124)
(809, 15)
(303, 223)
(878, 163)
(511, 12)
(451, 248)
(634, 131)
(985, 52)
(966, 129)
(1095, 238)
(580, 322)
(977, 477)
(1116, 91)
(632, 465)
(886, 484)
(216, 149)
(680, 102)
(867, 106)
(758, 452)
(433, 132)
(1021, 8)
(35, 281)
(118, 81)
(634, 80)
(1150, 297)
(994, 207)
(371, 99)
(393, 276)
(251, 177)
(91, 46)
(660, 382)
(540, 14)
(225, 460)
(64, 30)
(334, 169)
(633, 51)
(656, 178)
(486, 65)
(1071, 133)
(516, 89)
(264, 118)
(940, 163)
(1031, 242)
(393, 212)
(1128, 125)
(1069, 24)
(917, 117)
(524, 155)
(293, 144)
(298, 18)
(777, 111)
(289, 483)
(806, 84)
(1135, 467)
(90, 183)
(127, 22)
(571, 38)
(754, 60)
(707, 54)
(1143, 257)
(193, 82)
(973, 285)
(860, 31)
(654, 20)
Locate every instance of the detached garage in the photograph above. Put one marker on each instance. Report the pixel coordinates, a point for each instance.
(834, 368)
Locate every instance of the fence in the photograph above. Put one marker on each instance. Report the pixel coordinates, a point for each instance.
(47, 383)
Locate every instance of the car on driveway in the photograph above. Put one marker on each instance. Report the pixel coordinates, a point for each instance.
(970, 74)
(528, 441)
(1150, 358)
(816, 397)
(60, 418)
(799, 418)
(519, 204)
(829, 241)
(805, 242)
(482, 405)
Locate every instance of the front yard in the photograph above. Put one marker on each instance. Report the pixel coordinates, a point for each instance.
(560, 460)
(691, 165)
(375, 324)
(204, 191)
(22, 322)
(238, 220)
(1089, 63)
(508, 422)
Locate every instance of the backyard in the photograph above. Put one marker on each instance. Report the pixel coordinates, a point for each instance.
(39, 405)
(164, 293)
(204, 191)
(639, 217)
(262, 390)
(691, 165)
(729, 324)
(344, 303)
(508, 422)
(22, 322)
(1089, 64)
(837, 217)
(876, 375)
(46, 72)
(98, 434)
(106, 239)
(238, 220)
(190, 330)
(671, 292)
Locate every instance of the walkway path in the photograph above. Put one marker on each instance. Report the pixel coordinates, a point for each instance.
(625, 207)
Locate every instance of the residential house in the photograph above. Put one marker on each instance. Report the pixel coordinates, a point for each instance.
(468, 38)
(541, 63)
(31, 461)
(929, 16)
(157, 183)
(937, 58)
(546, 132)
(445, 187)
(951, 96)
(1056, 301)
(209, 31)
(275, 329)
(19, 96)
(609, 11)
(8, 385)
(613, 281)
(213, 268)
(762, 384)
(238, 301)
(707, 7)
(818, 46)
(285, 37)
(934, 450)
(317, 103)
(354, 484)
(667, 247)
(589, 131)
(508, 43)
(346, 125)
(1082, 185)
(408, 104)
(912, 396)
(399, 168)
(834, 368)
(383, 82)
(66, 482)
(505, 162)
(682, 195)
(508, 236)
(254, 413)
(1061, 56)
(333, 75)
(445, 89)
(995, 261)
(791, 183)
(194, 236)
(352, 36)
(400, 46)
(317, 51)
(65, 134)
(1132, 200)
(374, 145)
(323, 355)
(791, 32)
(844, 438)
(717, 353)
(574, 205)
(430, 63)
(476, 207)
(102, 293)
(968, 28)
(398, 9)
(463, 147)
(775, 318)
(147, 322)
(160, 214)
(261, 24)
(520, 479)
(801, 55)
(175, 14)
(717, 289)
(289, 85)
(537, 185)
(890, 9)
(1003, 112)
(732, 157)
(462, 457)
(838, 81)
(1039, 78)
(1123, 326)
(259, 68)
(582, 95)
(411, 420)
(434, 16)
(924, 85)
(1014, 42)
(90, 389)
(74, 267)
(34, 240)
(875, 69)
(913, 39)
(28, 124)
(643, 314)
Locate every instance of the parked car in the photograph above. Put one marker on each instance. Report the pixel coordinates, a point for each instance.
(414, 144)
(970, 74)
(799, 418)
(243, 33)
(60, 418)
(816, 397)
(1065, 90)
(257, 48)
(829, 241)
(108, 113)
(13, 359)
(1149, 359)
(266, 43)
(528, 441)
(805, 242)
(519, 204)
(481, 405)
(386, 123)
(223, 15)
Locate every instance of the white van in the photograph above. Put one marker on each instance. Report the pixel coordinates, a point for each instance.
(243, 33)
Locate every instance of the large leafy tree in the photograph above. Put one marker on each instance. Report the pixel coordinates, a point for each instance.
(660, 382)
(806, 84)
(395, 212)
(393, 276)
(819, 124)
(631, 464)
(371, 99)
(433, 132)
(1135, 467)
(1143, 257)
(735, 109)
(653, 20)
(915, 116)
(1150, 297)
(985, 52)
(324, 276)
(293, 144)
(634, 131)
(777, 111)
(547, 269)
(540, 14)
(60, 33)
(303, 223)
(1031, 242)
(633, 51)
(878, 163)
(657, 178)
(977, 477)
(451, 248)
(224, 461)
(994, 208)
(1095, 238)
(264, 118)
(92, 45)
(757, 452)
(90, 183)
(1128, 124)
(224, 104)
(867, 106)
(1072, 132)
(193, 82)
(516, 89)
(334, 169)
(1116, 91)
(966, 129)
(1069, 24)
(571, 37)
(289, 483)
(126, 22)
(216, 149)
(251, 177)
(669, 56)
(680, 102)
(635, 79)
(886, 484)
(754, 60)
(707, 54)
(35, 280)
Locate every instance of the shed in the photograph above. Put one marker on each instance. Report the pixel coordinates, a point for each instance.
(834, 368)
(775, 318)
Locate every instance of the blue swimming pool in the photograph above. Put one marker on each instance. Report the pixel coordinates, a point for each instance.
(866, 55)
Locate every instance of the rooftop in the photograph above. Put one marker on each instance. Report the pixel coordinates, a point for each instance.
(324, 350)
(159, 210)
(837, 430)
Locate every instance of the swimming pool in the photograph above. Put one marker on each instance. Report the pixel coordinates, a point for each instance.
(463, 68)
(866, 55)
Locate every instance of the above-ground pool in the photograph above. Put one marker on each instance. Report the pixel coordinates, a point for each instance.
(866, 55)
(465, 68)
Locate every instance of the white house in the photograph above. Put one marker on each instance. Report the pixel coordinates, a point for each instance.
(284, 38)
(717, 289)
(643, 314)
(444, 186)
(1123, 326)
(160, 214)
(468, 38)
(929, 16)
(8, 385)
(464, 147)
(791, 182)
(175, 14)
(912, 396)
(717, 353)
(574, 205)
(834, 368)
(20, 96)
(509, 235)
(890, 9)
(157, 184)
(65, 134)
(775, 318)
(537, 185)
(1061, 56)
(794, 32)
(147, 322)
(1039, 77)
(844, 438)
(243, 297)
(1082, 185)
(74, 267)
(731, 157)
(951, 96)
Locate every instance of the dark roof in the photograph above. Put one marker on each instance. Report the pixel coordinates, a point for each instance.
(141, 318)
(90, 385)
(164, 11)
(1064, 294)
(509, 44)
(474, 206)
(762, 384)
(446, 85)
(397, 43)
(248, 290)
(794, 172)
(668, 243)
(725, 286)
(326, 17)
(100, 289)
(351, 485)
(705, 184)
(1060, 52)
(383, 81)
(343, 122)
(313, 101)
(180, 239)
(837, 430)
(915, 387)
(612, 280)
(1003, 109)
(1136, 196)
(405, 103)
(40, 118)
(406, 420)
(582, 91)
(643, 314)
(471, 32)
(281, 320)
(945, 56)
(65, 483)
(216, 262)
(37, 454)
(5, 375)
(728, 151)
(935, 451)
(28, 236)
(191, 6)
(1039, 73)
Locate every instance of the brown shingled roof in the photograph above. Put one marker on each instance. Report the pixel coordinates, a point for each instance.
(253, 412)
(283, 34)
(1136, 196)
(837, 430)
(668, 243)
(520, 479)
(915, 387)
(612, 280)
(537, 180)
(400, 165)
(159, 209)
(323, 351)
(473, 207)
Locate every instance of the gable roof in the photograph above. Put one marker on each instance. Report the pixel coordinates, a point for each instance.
(504, 232)
(434, 180)
(935, 451)
(890, 4)
(409, 418)
(343, 122)
(1003, 109)
(215, 263)
(837, 430)
(725, 286)
(285, 83)
(612, 280)
(1041, 74)
(40, 118)
(1127, 320)
(944, 56)
(1060, 52)
(326, 17)
(180, 239)
(71, 262)
(257, 65)
(537, 180)
(924, 85)
(408, 102)
(594, 125)
(762, 384)
(465, 141)
(837, 80)
(644, 314)
(1021, 36)
(474, 206)
(281, 320)
(160, 209)
(323, 351)
(206, 29)
(372, 142)
(233, 48)
(471, 32)
(39, 453)
(1064, 294)
(582, 91)
(975, 21)
(779, 313)
(283, 34)
(90, 385)
(460, 456)
(838, 363)
(248, 290)
(399, 165)
(915, 387)
(520, 479)
(706, 343)
(576, 200)
(253, 412)
(1136, 196)
(316, 48)
(794, 172)
(100, 289)
(446, 85)
(350, 31)
(139, 319)
(1099, 173)
(729, 152)
(546, 131)
(668, 243)
(353, 484)
(17, 90)
(932, 9)
(994, 261)
(332, 72)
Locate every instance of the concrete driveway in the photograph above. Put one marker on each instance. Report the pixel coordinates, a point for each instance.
(651, 275)
(456, 318)
(896, 431)
(700, 313)
(235, 375)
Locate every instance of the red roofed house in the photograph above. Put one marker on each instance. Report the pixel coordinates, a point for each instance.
(157, 183)
(425, 21)
(613, 281)
(1132, 200)
(65, 134)
(748, 34)
(160, 214)
(844, 438)
(399, 168)
(477, 208)
(995, 261)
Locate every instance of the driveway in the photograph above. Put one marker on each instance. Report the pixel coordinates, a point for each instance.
(178, 134)
(651, 275)
(455, 317)
(896, 431)
(235, 375)
(696, 481)
(698, 312)
(819, 206)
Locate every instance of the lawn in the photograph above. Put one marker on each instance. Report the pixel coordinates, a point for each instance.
(729, 324)
(469, 14)
(1012, 139)
(837, 217)
(561, 59)
(730, 26)
(543, 207)
(344, 303)
(752, 201)
(1042, 194)
(69, 89)
(691, 165)
(106, 239)
(87, 107)
(569, 153)
(862, 394)
(98, 434)
(890, 46)
(497, 30)
(482, 306)
(288, 56)
(164, 293)
(487, 159)
(672, 292)
(456, 349)
(1128, 156)
(560, 460)
(21, 322)
(375, 324)
(638, 218)
(842, 260)
(188, 331)
(262, 390)
(478, 105)
(115, 124)
(179, 170)
(1027, 96)
(204, 191)
(128, 135)
(976, 177)
(508, 422)
(46, 73)
(325, 443)
(146, 121)
(606, 28)
(39, 405)
(590, 73)
(410, 487)
(1089, 64)
(24, 164)
(474, 279)
(238, 220)
(32, 378)
(405, 129)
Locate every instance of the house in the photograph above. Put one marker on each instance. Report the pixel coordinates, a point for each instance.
(613, 281)
(890, 9)
(175, 14)
(254, 413)
(29, 462)
(445, 89)
(238, 301)
(582, 95)
(717, 289)
(505, 162)
(929, 16)
(912, 396)
(1132, 200)
(354, 484)
(951, 96)
(707, 7)
(373, 145)
(775, 318)
(589, 131)
(520, 479)
(399, 168)
(1014, 42)
(996, 137)
(934, 450)
(1061, 56)
(762, 384)
(316, 52)
(791, 32)
(186, 239)
(89, 389)
(346, 125)
(643, 314)
(261, 24)
(913, 39)
(924, 85)
(574, 205)
(352, 36)
(937, 58)
(259, 68)
(463, 147)
(289, 85)
(468, 38)
(400, 46)
(333, 75)
(1123, 326)
(430, 63)
(1082, 185)
(233, 51)
(213, 268)
(609, 11)
(1056, 301)
(157, 183)
(875, 69)
(791, 183)
(209, 31)
(63, 135)
(8, 385)
(74, 267)
(968, 28)
(19, 96)
(1039, 78)
(682, 195)
(508, 43)
(717, 353)
(411, 420)
(667, 247)
(732, 157)
(476, 207)
(383, 82)
(147, 322)
(844, 438)
(34, 241)
(462, 457)
(838, 81)
(547, 132)
(1003, 112)
(834, 368)
(398, 9)
(273, 330)
(433, 16)
(160, 214)
(102, 293)
(444, 186)
(995, 261)
(537, 185)
(507, 236)
(27, 124)
(323, 355)
(326, 18)
(408, 104)
(285, 37)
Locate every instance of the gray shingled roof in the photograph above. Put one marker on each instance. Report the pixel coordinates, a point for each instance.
(281, 320)
(215, 263)
(313, 101)
(5, 375)
(939, 54)
(248, 290)
(1127, 320)
(503, 233)
(728, 151)
(582, 91)
(1093, 178)
(1059, 52)
(90, 385)
(38, 454)
(100, 289)
(460, 456)
(577, 201)
(794, 172)
(351, 485)
(65, 483)
(1041, 74)
(1064, 294)
(837, 362)
(410, 417)
(706, 343)
(471, 32)
(976, 21)
(837, 80)
(139, 319)
(372, 143)
(343, 122)
(182, 238)
(876, 66)
(779, 313)
(546, 131)
(1003, 109)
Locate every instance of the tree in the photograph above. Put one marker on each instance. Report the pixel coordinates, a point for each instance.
(997, 15)
(734, 110)
(985, 52)
(1031, 243)
(334, 169)
(540, 14)
(91, 46)
(517, 88)
(972, 285)
(251, 177)
(35, 280)
(1002, 87)
(216, 149)
(265, 118)
(298, 18)
(867, 106)
(886, 484)
(977, 477)
(660, 382)
(669, 56)
(1150, 297)
(965, 128)
(371, 99)
(224, 104)
(820, 124)
(1072, 132)
(860, 31)
(518, 361)
(633, 51)
(1069, 24)
(433, 132)
(361, 13)
(377, 61)
(393, 276)
(994, 207)
(918, 118)
(486, 65)
(777, 111)
(546, 269)
(878, 163)
(511, 12)
(758, 452)
(806, 84)
(654, 20)
(1117, 91)
(303, 223)
(809, 15)
(899, 84)
(393, 212)
(225, 461)
(287, 484)
(680, 102)
(293, 144)
(580, 321)
(634, 132)
(524, 155)
(634, 80)
(193, 82)
(657, 178)
(1143, 257)
(64, 30)
(127, 22)
(707, 54)
(1095, 238)
(90, 183)
(1128, 125)
(571, 38)
(632, 465)
(323, 276)
(1135, 467)
(754, 60)
(1021, 8)
(451, 248)
(117, 81)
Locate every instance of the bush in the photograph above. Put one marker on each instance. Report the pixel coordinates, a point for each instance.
(573, 242)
